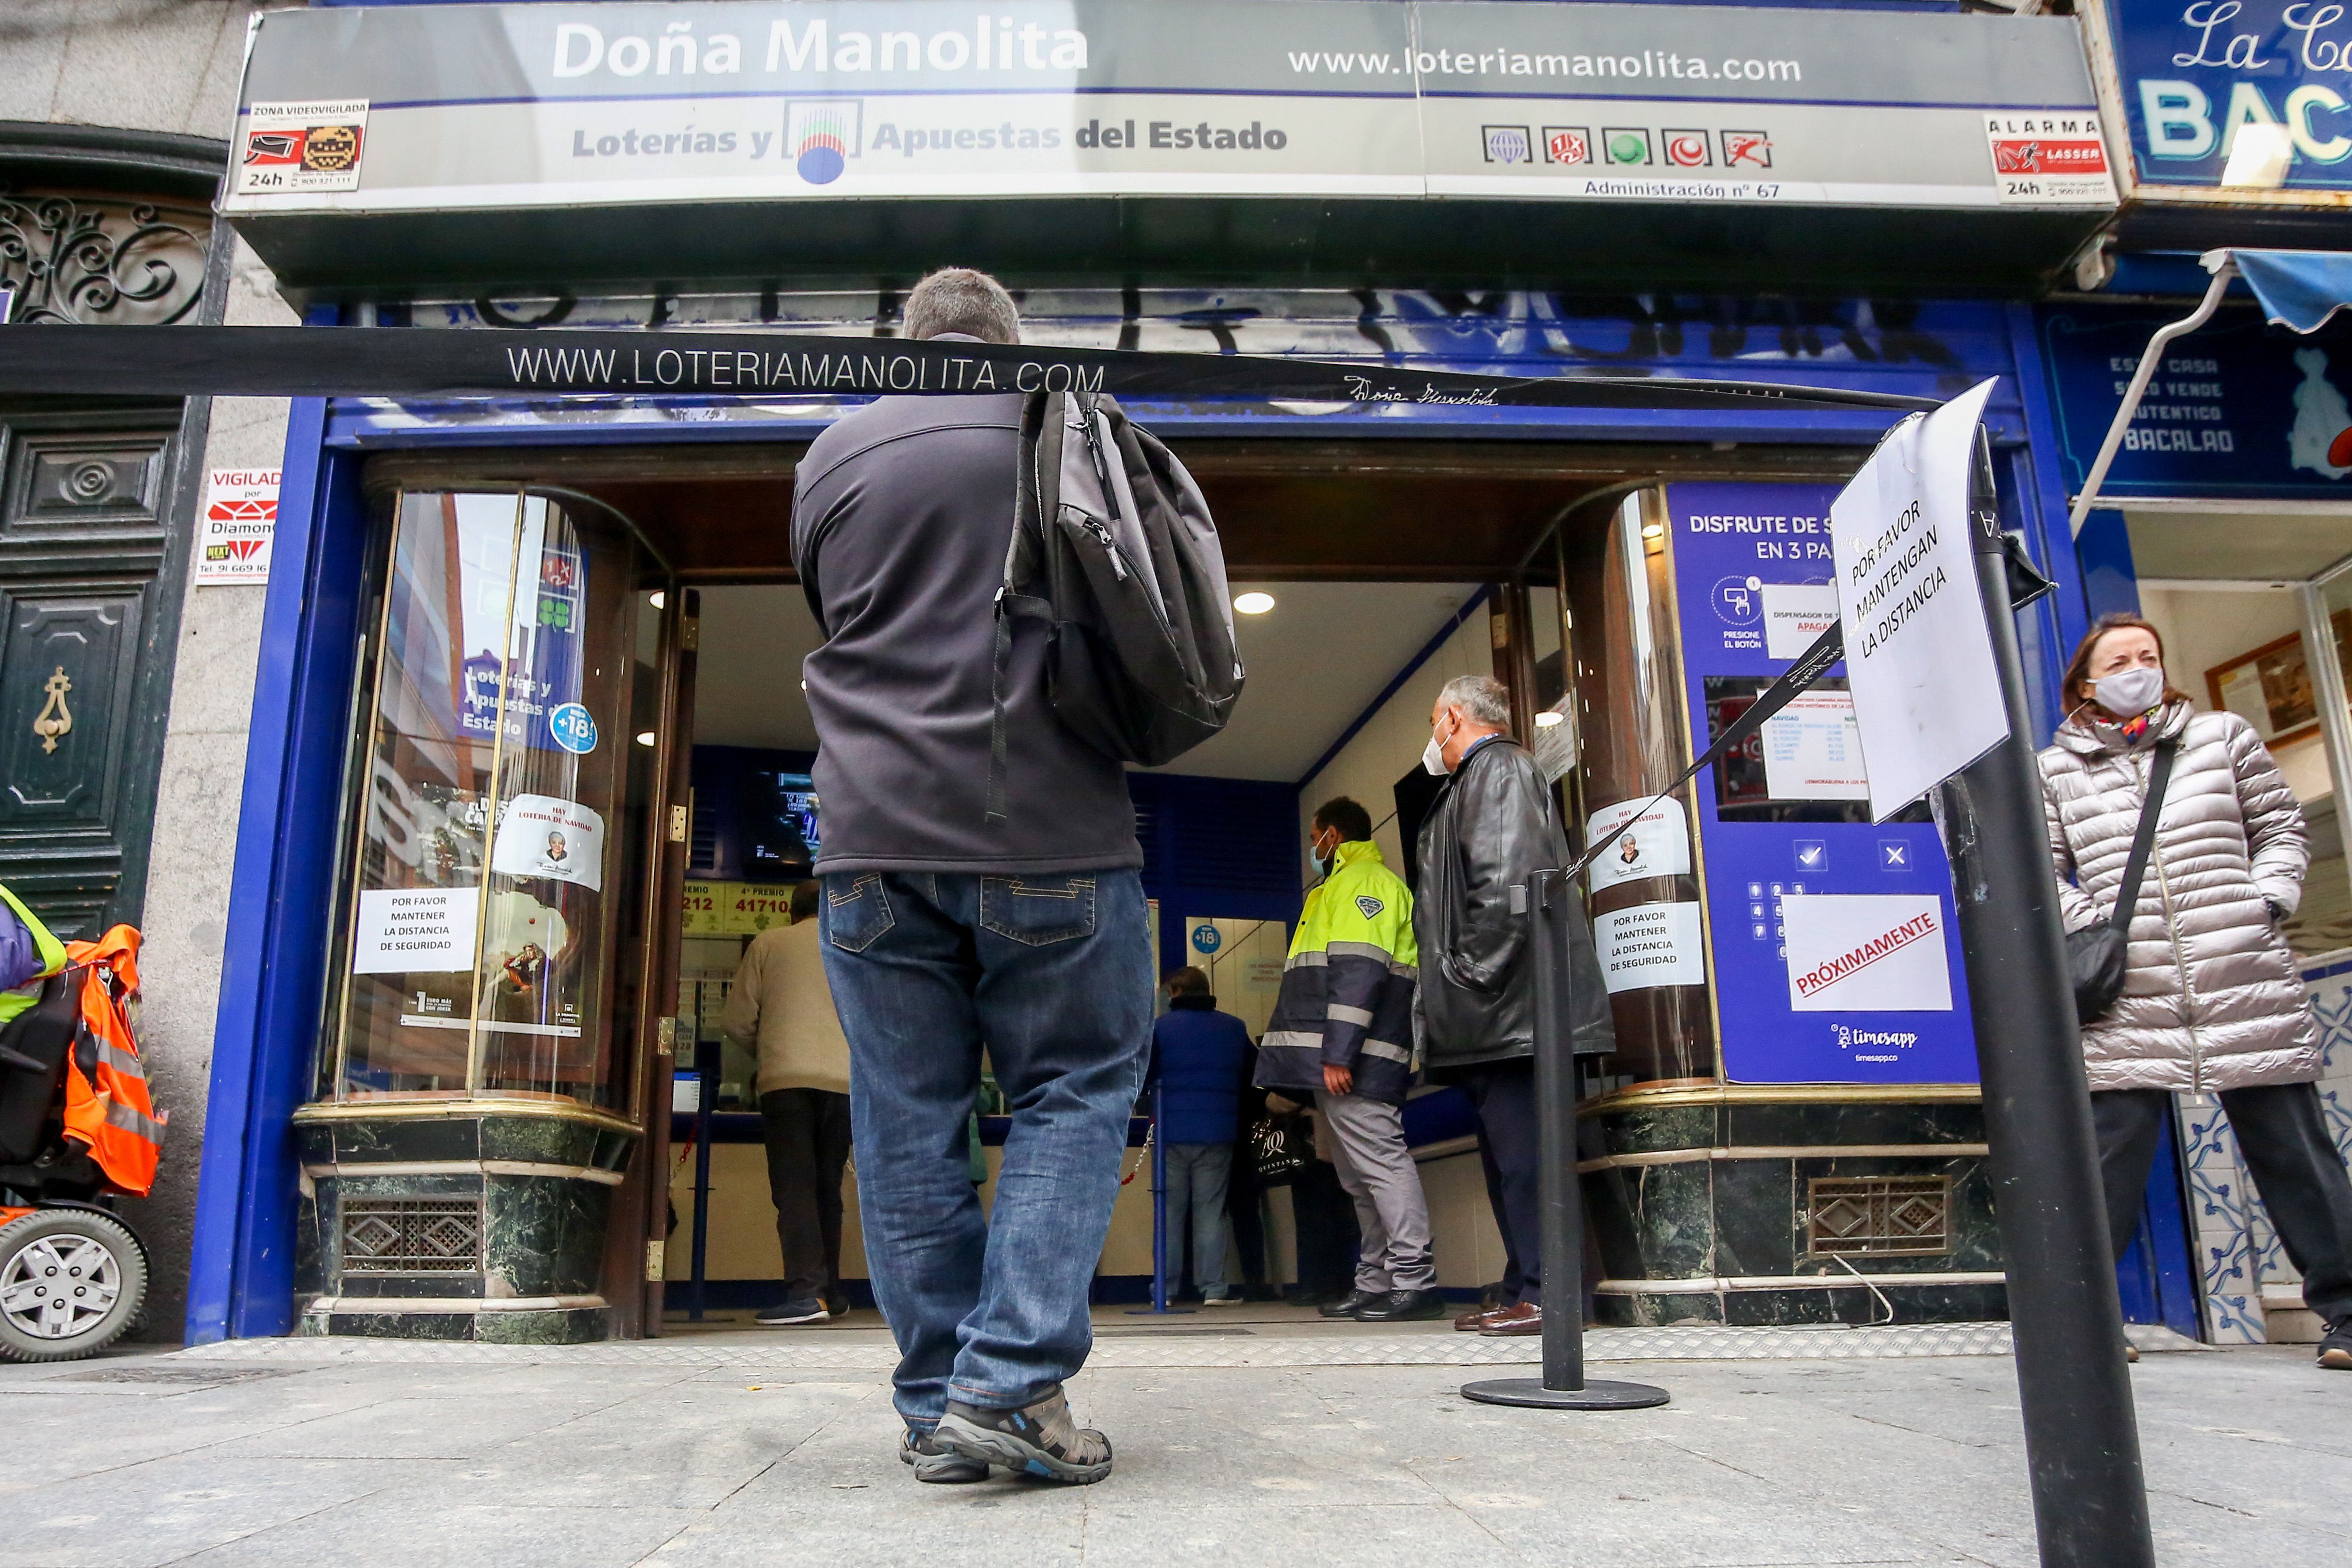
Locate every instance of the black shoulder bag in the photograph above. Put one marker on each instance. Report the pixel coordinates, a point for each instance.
(2096, 954)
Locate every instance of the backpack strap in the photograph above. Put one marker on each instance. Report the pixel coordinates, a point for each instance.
(2159, 775)
(1037, 482)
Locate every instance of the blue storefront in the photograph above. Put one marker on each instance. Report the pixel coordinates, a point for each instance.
(2225, 518)
(517, 651)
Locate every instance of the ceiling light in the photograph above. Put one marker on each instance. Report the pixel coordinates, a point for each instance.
(657, 598)
(1254, 602)
(1654, 530)
(1548, 719)
(646, 738)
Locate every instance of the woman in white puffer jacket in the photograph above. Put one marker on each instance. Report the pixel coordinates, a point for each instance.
(2212, 1000)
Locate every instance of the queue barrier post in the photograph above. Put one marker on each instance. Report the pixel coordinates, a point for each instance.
(1158, 1307)
(1563, 1386)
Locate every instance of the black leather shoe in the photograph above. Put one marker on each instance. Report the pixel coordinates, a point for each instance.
(1402, 1307)
(1348, 1305)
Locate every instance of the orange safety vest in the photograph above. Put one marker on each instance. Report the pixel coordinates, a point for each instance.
(107, 1108)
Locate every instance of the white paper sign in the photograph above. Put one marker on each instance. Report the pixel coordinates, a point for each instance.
(415, 930)
(1657, 845)
(239, 521)
(544, 835)
(1649, 945)
(1795, 613)
(1866, 952)
(1812, 751)
(1918, 650)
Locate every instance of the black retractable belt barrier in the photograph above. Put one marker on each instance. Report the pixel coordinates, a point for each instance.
(1562, 1385)
(764, 362)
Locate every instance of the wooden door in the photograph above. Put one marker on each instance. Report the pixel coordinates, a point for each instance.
(85, 656)
(639, 1226)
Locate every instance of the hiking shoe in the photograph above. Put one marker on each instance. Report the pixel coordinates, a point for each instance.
(935, 1464)
(1402, 1307)
(1349, 1305)
(1040, 1439)
(2335, 1349)
(807, 1310)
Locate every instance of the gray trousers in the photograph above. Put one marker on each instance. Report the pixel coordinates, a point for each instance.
(1377, 1170)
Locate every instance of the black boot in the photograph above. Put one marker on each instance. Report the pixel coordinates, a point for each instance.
(1402, 1307)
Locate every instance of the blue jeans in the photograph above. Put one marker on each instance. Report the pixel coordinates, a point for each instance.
(1197, 1174)
(1051, 975)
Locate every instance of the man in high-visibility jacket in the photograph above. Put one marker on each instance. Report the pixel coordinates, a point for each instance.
(1342, 1033)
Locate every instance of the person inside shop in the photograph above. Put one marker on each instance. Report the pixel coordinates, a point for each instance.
(1198, 1057)
(1341, 1034)
(955, 916)
(1490, 828)
(780, 1009)
(2211, 998)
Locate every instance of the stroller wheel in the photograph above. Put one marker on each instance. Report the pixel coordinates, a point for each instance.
(71, 1281)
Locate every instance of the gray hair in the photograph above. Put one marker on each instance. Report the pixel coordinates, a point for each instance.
(957, 299)
(1482, 699)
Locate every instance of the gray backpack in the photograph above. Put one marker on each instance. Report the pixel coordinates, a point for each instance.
(1114, 549)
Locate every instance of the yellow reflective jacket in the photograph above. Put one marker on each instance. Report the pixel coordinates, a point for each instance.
(52, 952)
(1347, 989)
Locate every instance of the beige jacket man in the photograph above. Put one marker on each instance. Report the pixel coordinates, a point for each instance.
(782, 1008)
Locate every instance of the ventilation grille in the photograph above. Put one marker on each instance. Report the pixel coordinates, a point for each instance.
(1879, 1216)
(412, 1235)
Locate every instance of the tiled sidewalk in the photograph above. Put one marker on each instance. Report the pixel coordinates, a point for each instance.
(266, 1456)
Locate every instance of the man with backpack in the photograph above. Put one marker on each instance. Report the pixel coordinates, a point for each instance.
(980, 865)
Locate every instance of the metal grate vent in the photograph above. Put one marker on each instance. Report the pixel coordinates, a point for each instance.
(1879, 1216)
(412, 1235)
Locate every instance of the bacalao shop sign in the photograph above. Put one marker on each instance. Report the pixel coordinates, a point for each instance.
(2188, 86)
(1293, 135)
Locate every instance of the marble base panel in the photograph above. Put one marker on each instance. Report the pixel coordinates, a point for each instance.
(562, 1325)
(1700, 1214)
(497, 1209)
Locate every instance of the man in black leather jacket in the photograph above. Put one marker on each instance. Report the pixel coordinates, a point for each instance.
(1490, 829)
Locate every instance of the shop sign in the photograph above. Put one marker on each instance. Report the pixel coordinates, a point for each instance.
(239, 521)
(1783, 823)
(456, 107)
(2193, 74)
(2238, 409)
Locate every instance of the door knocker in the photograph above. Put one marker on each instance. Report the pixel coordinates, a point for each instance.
(56, 718)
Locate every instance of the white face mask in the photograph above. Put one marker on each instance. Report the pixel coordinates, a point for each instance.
(2127, 694)
(1432, 755)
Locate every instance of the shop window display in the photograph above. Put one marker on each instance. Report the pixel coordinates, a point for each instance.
(488, 886)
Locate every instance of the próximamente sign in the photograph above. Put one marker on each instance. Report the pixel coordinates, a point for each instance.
(473, 108)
